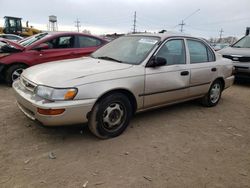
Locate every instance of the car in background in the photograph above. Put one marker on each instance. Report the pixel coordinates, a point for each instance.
(11, 37)
(44, 47)
(130, 74)
(239, 53)
(219, 46)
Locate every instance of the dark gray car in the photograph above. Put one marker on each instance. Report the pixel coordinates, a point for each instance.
(239, 52)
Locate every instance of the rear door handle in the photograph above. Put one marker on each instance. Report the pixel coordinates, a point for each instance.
(213, 69)
(184, 73)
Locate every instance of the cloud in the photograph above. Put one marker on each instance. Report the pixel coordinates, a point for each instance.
(104, 16)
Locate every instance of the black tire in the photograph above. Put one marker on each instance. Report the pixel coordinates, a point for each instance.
(113, 109)
(9, 74)
(216, 88)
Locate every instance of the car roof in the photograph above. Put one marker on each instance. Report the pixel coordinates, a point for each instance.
(59, 33)
(164, 35)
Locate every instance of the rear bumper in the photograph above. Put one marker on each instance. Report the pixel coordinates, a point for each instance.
(75, 111)
(229, 82)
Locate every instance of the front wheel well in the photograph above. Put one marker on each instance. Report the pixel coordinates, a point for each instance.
(6, 66)
(125, 92)
(13, 72)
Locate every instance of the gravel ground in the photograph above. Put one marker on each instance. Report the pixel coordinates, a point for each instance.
(184, 145)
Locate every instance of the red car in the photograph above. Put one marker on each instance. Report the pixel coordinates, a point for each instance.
(41, 48)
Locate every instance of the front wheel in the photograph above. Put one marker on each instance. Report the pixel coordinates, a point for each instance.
(214, 94)
(110, 116)
(14, 72)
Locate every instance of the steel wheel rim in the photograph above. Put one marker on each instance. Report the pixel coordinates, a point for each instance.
(215, 93)
(113, 116)
(16, 74)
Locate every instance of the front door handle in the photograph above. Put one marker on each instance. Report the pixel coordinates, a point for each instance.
(184, 73)
(213, 69)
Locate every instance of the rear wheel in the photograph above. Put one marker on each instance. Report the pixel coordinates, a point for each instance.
(110, 116)
(214, 94)
(14, 72)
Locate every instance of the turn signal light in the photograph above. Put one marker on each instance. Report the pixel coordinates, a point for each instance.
(50, 111)
(70, 94)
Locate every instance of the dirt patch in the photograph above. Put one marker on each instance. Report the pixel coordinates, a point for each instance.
(184, 145)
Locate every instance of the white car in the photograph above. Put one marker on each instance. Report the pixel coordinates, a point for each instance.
(128, 75)
(11, 37)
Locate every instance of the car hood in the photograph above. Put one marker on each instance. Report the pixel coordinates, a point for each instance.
(235, 51)
(70, 72)
(11, 45)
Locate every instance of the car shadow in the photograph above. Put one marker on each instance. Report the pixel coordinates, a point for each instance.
(242, 82)
(81, 132)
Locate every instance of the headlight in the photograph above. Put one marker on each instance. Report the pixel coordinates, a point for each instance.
(55, 94)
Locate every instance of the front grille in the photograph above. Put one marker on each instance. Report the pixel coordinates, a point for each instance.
(238, 58)
(28, 84)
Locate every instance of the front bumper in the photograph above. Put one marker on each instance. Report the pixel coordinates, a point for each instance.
(242, 68)
(75, 111)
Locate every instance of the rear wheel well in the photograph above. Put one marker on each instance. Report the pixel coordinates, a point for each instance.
(125, 92)
(222, 82)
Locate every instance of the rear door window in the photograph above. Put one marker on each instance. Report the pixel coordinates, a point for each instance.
(85, 41)
(199, 52)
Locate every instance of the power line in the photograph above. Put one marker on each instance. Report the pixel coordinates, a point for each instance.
(191, 14)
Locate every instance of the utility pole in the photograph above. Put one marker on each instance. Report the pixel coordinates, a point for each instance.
(182, 25)
(183, 21)
(221, 31)
(78, 25)
(134, 25)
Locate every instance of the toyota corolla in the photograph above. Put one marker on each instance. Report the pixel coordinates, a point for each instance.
(130, 74)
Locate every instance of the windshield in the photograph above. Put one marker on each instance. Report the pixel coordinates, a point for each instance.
(32, 39)
(128, 49)
(242, 43)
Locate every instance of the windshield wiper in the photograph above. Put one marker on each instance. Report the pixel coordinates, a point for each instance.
(109, 58)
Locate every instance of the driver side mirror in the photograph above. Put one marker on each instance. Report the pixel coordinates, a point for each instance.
(156, 62)
(42, 46)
